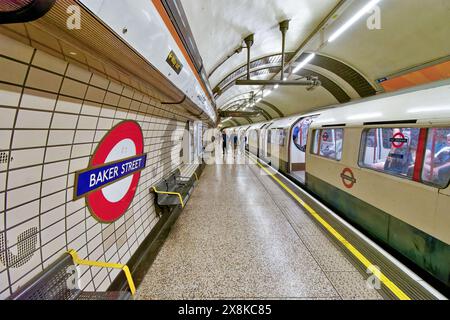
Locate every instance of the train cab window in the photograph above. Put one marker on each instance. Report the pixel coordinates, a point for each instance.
(390, 150)
(436, 167)
(328, 143)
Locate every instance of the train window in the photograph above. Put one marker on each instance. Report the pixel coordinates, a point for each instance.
(436, 168)
(268, 134)
(281, 137)
(390, 150)
(300, 133)
(328, 143)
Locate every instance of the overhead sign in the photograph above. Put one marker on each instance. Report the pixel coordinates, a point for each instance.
(174, 62)
(110, 182)
(348, 178)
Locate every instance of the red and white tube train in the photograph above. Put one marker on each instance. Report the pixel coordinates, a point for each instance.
(382, 163)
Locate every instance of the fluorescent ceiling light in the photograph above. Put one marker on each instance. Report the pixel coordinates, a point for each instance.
(267, 93)
(259, 100)
(304, 62)
(353, 20)
(276, 86)
(225, 120)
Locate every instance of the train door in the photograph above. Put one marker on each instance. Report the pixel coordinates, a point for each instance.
(187, 152)
(241, 140)
(263, 142)
(297, 157)
(198, 142)
(271, 147)
(247, 138)
(262, 138)
(253, 141)
(276, 156)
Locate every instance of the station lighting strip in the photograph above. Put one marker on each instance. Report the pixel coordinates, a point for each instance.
(353, 20)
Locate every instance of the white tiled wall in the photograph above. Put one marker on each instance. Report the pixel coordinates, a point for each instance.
(52, 115)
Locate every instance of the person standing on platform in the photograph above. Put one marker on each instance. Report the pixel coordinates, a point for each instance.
(224, 142)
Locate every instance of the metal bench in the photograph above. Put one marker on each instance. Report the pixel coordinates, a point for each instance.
(57, 282)
(174, 190)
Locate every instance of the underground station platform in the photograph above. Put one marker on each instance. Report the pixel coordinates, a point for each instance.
(225, 158)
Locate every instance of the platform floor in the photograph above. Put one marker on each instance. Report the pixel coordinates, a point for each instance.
(242, 237)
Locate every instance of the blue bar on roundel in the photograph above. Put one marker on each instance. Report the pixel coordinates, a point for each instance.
(90, 180)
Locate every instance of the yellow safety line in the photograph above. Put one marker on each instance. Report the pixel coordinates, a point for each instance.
(123, 267)
(172, 194)
(196, 176)
(385, 280)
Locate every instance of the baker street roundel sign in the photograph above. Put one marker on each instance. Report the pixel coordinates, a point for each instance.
(110, 182)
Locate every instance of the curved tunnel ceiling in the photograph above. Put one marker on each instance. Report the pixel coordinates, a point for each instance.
(413, 33)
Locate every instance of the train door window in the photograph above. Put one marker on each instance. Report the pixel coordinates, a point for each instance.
(436, 167)
(282, 137)
(198, 132)
(328, 143)
(300, 133)
(390, 150)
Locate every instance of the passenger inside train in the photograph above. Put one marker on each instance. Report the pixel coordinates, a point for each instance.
(328, 143)
(437, 158)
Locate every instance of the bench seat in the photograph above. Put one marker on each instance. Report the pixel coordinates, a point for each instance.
(174, 190)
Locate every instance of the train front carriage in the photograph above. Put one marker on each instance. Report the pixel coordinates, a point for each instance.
(388, 172)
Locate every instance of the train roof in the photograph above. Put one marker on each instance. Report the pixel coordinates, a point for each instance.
(290, 121)
(429, 104)
(422, 103)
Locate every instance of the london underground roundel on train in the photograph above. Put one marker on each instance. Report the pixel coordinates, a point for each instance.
(110, 182)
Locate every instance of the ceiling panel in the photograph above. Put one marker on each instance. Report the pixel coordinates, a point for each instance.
(219, 26)
(413, 33)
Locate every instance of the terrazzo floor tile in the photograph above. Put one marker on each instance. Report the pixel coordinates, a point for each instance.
(352, 286)
(237, 238)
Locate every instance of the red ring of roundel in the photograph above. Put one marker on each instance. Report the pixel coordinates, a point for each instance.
(101, 208)
(402, 136)
(348, 184)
